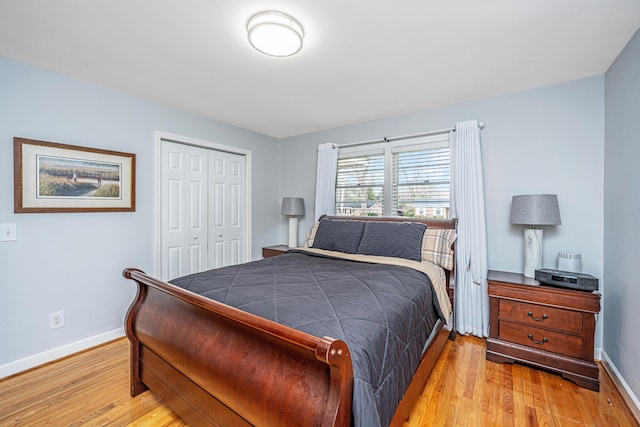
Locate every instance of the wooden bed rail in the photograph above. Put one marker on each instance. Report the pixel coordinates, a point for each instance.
(238, 368)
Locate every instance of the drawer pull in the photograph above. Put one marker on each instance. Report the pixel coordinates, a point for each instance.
(544, 340)
(538, 319)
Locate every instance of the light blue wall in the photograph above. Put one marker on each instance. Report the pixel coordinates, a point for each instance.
(73, 261)
(545, 140)
(621, 207)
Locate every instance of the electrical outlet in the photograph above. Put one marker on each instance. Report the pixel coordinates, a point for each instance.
(8, 232)
(56, 320)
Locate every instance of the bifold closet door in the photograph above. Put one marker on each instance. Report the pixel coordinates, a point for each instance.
(226, 208)
(184, 221)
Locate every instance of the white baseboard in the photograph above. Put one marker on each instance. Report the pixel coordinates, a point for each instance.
(29, 362)
(627, 394)
(597, 353)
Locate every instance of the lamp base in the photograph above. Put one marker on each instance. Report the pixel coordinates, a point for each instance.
(532, 251)
(293, 232)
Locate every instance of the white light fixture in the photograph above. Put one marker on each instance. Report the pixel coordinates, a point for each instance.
(534, 209)
(275, 33)
(293, 207)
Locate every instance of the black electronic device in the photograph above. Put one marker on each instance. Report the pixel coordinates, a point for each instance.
(567, 279)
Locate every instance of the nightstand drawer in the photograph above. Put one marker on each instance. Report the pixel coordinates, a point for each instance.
(542, 339)
(541, 316)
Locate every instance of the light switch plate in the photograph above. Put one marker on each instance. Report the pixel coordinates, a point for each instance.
(8, 232)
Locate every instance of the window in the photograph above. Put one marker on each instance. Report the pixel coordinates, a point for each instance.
(405, 178)
(360, 185)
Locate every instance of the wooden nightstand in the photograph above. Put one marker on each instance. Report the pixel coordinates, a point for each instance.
(275, 250)
(543, 326)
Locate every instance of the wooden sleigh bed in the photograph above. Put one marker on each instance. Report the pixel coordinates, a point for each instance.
(216, 365)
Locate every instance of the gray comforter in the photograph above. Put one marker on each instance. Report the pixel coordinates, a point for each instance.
(384, 313)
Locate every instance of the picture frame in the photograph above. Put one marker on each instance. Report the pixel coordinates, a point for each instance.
(54, 177)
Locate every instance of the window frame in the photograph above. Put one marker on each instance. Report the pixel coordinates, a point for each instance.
(388, 149)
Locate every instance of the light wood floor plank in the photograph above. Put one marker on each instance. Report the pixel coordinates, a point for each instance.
(92, 389)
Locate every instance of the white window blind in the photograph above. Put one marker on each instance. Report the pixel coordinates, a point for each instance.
(420, 185)
(395, 179)
(360, 185)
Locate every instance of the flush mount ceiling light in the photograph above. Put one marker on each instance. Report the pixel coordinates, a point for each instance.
(275, 33)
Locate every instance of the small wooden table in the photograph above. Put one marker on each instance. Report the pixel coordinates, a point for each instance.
(543, 326)
(275, 250)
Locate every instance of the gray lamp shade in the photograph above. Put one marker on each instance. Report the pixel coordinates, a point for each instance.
(292, 206)
(535, 209)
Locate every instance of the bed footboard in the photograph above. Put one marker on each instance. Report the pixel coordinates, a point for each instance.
(216, 365)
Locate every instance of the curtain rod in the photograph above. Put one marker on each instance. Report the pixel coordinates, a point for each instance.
(401, 137)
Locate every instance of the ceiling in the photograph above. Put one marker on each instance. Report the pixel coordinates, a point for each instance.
(361, 60)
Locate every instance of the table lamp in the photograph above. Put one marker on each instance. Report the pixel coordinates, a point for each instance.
(534, 210)
(293, 207)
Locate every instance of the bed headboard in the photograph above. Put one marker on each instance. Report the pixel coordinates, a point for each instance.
(450, 223)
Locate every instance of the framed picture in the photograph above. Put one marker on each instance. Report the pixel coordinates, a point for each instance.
(52, 177)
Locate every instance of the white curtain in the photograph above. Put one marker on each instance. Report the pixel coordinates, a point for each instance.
(467, 204)
(326, 180)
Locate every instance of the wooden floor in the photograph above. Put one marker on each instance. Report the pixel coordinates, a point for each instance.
(467, 390)
(92, 388)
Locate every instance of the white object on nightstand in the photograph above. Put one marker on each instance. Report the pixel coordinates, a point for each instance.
(568, 261)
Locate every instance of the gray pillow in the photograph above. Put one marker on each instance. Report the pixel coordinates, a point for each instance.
(338, 235)
(393, 239)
